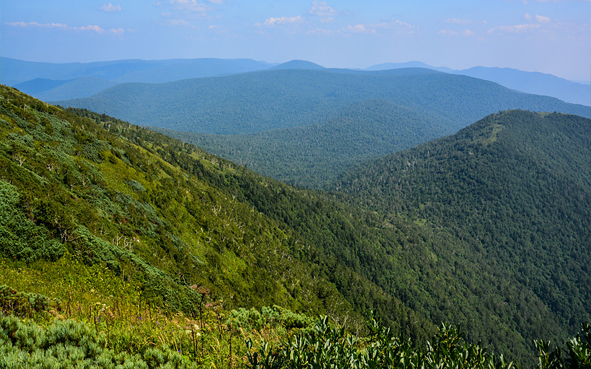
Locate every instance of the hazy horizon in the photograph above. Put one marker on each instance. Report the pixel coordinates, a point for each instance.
(543, 36)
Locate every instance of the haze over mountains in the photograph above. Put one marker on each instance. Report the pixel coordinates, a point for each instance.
(17, 72)
(42, 79)
(267, 119)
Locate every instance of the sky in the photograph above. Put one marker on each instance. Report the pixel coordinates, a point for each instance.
(549, 36)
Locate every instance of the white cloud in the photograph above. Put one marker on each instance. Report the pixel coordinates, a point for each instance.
(190, 6)
(282, 20)
(542, 19)
(527, 16)
(446, 32)
(466, 32)
(464, 21)
(327, 20)
(216, 1)
(117, 31)
(110, 8)
(320, 31)
(94, 28)
(359, 28)
(176, 22)
(519, 28)
(321, 8)
(60, 26)
(395, 25)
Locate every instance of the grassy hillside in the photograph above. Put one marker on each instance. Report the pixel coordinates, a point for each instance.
(315, 155)
(516, 186)
(259, 101)
(164, 216)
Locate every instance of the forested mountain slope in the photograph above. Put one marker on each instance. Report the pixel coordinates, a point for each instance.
(315, 155)
(272, 99)
(103, 210)
(164, 215)
(516, 186)
(438, 274)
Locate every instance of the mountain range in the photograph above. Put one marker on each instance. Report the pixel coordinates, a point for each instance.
(305, 126)
(31, 77)
(487, 228)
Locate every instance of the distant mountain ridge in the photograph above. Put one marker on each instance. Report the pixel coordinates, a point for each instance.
(313, 155)
(76, 80)
(272, 99)
(16, 72)
(49, 90)
(529, 82)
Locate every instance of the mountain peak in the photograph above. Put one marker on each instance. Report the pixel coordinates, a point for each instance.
(299, 64)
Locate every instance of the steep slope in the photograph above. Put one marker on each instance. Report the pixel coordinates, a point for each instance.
(162, 215)
(98, 208)
(516, 186)
(430, 269)
(258, 101)
(314, 155)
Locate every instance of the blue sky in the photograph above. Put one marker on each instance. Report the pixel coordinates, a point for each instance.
(550, 36)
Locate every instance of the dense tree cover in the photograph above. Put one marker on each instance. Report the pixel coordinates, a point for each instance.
(314, 155)
(168, 215)
(431, 270)
(132, 214)
(272, 99)
(516, 186)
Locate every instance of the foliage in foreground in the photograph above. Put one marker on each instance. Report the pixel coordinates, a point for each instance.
(75, 343)
(39, 332)
(330, 346)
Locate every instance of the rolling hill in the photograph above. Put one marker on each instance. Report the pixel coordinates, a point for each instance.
(314, 155)
(306, 127)
(52, 81)
(529, 82)
(259, 101)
